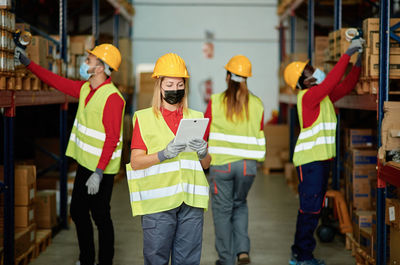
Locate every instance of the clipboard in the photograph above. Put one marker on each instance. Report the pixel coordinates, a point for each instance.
(190, 129)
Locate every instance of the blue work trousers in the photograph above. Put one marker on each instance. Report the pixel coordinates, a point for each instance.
(230, 184)
(174, 235)
(313, 180)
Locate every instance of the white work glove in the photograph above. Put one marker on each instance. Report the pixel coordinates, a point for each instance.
(171, 151)
(200, 146)
(20, 57)
(356, 45)
(93, 183)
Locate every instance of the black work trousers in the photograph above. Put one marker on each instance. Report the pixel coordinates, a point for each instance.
(97, 206)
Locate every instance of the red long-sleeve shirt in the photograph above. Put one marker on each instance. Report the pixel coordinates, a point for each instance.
(208, 114)
(172, 118)
(112, 115)
(331, 87)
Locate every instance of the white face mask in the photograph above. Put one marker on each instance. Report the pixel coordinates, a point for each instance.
(319, 75)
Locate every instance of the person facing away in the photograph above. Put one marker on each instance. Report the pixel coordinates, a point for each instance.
(95, 143)
(236, 143)
(167, 184)
(315, 147)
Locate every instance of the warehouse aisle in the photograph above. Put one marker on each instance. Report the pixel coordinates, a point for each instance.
(272, 220)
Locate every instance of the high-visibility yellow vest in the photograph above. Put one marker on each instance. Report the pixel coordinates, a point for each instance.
(233, 141)
(88, 135)
(166, 185)
(317, 142)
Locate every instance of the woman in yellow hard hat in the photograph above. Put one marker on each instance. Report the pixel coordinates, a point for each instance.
(94, 143)
(316, 146)
(167, 185)
(236, 142)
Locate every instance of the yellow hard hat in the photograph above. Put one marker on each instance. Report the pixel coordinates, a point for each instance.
(293, 73)
(109, 54)
(171, 65)
(239, 65)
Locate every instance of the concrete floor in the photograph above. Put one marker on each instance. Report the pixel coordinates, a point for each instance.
(272, 206)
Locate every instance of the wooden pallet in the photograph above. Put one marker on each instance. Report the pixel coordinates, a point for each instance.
(43, 240)
(362, 257)
(27, 257)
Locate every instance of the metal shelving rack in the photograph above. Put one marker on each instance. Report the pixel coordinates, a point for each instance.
(386, 173)
(10, 100)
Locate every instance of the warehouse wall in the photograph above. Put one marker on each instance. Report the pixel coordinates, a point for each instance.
(239, 27)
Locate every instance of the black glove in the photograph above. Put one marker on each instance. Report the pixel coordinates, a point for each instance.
(20, 55)
(359, 60)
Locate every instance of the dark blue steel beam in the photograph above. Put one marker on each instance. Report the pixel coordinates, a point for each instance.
(337, 15)
(292, 33)
(337, 167)
(311, 13)
(63, 167)
(292, 109)
(116, 29)
(95, 20)
(383, 96)
(9, 185)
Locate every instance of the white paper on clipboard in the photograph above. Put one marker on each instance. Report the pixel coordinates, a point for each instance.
(190, 129)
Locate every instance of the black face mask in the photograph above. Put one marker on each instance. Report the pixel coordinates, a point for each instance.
(174, 96)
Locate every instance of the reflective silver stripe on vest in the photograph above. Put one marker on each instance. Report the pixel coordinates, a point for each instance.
(91, 132)
(325, 126)
(169, 191)
(236, 152)
(91, 149)
(164, 168)
(309, 145)
(236, 139)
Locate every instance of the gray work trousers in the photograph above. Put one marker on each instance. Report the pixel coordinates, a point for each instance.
(230, 185)
(176, 234)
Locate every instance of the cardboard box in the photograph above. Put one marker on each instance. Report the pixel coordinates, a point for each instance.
(367, 240)
(394, 65)
(24, 239)
(391, 126)
(80, 43)
(392, 213)
(332, 45)
(23, 26)
(24, 216)
(342, 45)
(46, 209)
(360, 138)
(394, 246)
(5, 4)
(394, 45)
(363, 158)
(37, 51)
(371, 26)
(361, 219)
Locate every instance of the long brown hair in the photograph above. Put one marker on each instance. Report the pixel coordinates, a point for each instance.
(157, 98)
(236, 100)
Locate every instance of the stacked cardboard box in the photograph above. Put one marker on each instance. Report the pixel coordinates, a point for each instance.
(361, 219)
(25, 193)
(371, 54)
(342, 44)
(145, 90)
(46, 209)
(277, 145)
(392, 219)
(125, 77)
(360, 168)
(390, 128)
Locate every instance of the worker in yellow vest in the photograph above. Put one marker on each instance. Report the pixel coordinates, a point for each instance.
(95, 143)
(315, 145)
(236, 142)
(167, 185)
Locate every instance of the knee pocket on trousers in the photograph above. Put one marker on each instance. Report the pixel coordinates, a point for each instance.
(311, 202)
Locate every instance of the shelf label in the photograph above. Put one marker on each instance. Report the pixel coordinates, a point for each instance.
(392, 216)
